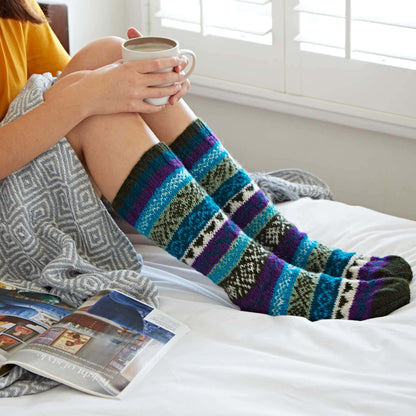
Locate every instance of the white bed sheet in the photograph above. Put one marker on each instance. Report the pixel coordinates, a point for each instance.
(238, 363)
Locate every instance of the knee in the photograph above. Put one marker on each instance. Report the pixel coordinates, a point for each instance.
(96, 54)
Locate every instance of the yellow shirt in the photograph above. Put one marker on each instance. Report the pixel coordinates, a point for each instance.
(26, 49)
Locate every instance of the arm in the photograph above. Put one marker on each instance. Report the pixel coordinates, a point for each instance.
(115, 88)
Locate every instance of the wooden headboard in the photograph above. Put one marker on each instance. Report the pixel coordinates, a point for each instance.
(57, 15)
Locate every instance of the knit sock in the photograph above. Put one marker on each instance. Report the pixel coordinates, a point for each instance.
(165, 203)
(242, 200)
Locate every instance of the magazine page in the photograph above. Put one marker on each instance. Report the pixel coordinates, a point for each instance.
(25, 314)
(102, 346)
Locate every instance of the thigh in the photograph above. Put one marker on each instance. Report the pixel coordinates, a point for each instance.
(96, 54)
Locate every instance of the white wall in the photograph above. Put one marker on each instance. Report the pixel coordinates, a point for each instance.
(92, 19)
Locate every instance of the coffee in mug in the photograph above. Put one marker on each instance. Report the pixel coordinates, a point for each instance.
(151, 47)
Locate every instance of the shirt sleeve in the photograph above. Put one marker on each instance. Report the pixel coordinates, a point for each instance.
(44, 51)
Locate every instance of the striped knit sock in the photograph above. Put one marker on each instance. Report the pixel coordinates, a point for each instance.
(241, 199)
(164, 202)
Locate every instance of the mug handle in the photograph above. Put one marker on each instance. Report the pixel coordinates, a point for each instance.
(191, 65)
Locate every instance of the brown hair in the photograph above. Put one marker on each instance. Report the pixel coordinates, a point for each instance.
(19, 10)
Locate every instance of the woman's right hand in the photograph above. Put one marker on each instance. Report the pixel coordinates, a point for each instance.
(119, 87)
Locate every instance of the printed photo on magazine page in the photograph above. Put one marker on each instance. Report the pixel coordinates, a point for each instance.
(25, 314)
(101, 347)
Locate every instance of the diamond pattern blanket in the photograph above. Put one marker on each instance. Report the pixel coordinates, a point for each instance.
(56, 236)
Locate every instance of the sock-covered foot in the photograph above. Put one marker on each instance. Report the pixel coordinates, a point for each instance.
(240, 198)
(164, 202)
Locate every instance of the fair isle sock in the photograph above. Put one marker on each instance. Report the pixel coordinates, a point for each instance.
(241, 199)
(164, 202)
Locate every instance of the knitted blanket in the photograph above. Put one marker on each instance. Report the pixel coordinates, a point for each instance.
(291, 184)
(56, 236)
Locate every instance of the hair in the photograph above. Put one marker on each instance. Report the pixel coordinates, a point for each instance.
(19, 10)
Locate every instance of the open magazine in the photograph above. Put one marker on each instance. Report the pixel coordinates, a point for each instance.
(98, 348)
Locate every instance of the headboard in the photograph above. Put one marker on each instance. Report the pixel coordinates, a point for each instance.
(57, 15)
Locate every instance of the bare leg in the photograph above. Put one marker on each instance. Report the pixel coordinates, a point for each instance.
(169, 123)
(108, 146)
(96, 54)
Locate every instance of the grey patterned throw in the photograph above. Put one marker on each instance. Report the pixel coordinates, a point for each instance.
(56, 236)
(291, 184)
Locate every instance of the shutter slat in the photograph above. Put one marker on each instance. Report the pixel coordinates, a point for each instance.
(334, 8)
(251, 21)
(178, 17)
(259, 2)
(302, 39)
(391, 55)
(301, 9)
(381, 22)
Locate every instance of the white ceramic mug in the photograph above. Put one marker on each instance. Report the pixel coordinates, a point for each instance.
(151, 47)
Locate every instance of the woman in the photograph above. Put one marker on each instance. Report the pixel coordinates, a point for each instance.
(167, 174)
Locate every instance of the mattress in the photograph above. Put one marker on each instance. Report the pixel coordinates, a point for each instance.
(240, 363)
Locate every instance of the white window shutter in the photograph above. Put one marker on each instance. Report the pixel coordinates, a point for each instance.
(346, 61)
(353, 52)
(234, 40)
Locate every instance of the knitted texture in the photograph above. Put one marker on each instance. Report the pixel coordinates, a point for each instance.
(246, 204)
(291, 184)
(57, 237)
(164, 202)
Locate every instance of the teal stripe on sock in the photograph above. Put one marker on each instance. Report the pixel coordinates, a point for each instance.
(230, 187)
(324, 298)
(283, 290)
(207, 162)
(161, 199)
(260, 221)
(303, 252)
(337, 262)
(191, 226)
(230, 260)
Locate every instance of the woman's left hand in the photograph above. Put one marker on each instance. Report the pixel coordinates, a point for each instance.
(173, 99)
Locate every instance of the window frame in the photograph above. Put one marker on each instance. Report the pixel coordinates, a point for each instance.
(288, 97)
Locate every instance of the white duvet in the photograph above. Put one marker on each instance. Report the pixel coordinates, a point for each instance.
(239, 363)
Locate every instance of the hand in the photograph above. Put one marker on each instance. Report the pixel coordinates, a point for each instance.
(119, 87)
(134, 33)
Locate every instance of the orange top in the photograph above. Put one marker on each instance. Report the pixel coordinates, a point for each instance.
(26, 49)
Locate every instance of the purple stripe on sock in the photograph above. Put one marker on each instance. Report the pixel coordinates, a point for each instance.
(363, 299)
(368, 271)
(216, 248)
(154, 182)
(286, 249)
(199, 151)
(250, 209)
(259, 298)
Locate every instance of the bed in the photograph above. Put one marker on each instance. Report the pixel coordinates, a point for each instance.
(237, 363)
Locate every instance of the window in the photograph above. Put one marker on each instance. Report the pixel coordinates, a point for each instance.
(347, 61)
(232, 38)
(358, 53)
(365, 30)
